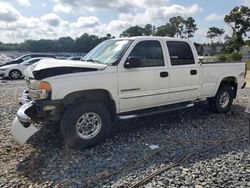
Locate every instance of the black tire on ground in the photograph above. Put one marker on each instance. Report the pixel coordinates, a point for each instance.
(222, 101)
(15, 74)
(80, 113)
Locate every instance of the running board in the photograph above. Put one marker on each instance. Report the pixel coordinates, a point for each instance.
(153, 111)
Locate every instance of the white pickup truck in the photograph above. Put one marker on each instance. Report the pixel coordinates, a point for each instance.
(121, 79)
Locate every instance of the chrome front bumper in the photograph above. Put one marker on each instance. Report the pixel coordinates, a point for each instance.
(22, 127)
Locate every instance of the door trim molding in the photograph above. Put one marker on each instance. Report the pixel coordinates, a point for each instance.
(132, 89)
(148, 95)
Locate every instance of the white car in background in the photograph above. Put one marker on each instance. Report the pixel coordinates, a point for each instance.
(16, 71)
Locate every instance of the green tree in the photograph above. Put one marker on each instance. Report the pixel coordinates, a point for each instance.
(8, 46)
(42, 45)
(215, 32)
(133, 31)
(178, 25)
(165, 30)
(189, 27)
(65, 44)
(238, 20)
(149, 30)
(85, 43)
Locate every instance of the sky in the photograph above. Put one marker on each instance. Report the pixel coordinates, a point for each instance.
(50, 19)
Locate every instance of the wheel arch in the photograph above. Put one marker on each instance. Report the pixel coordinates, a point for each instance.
(229, 80)
(98, 95)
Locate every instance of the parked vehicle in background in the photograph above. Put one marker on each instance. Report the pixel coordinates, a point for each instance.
(27, 57)
(16, 71)
(75, 58)
(122, 79)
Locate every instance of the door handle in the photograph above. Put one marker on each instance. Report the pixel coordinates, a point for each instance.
(163, 74)
(193, 72)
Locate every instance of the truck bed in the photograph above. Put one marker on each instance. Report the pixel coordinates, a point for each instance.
(213, 73)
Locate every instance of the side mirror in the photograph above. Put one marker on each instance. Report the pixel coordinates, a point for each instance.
(133, 62)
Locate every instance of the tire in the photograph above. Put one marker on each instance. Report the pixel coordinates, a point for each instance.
(88, 114)
(15, 74)
(222, 101)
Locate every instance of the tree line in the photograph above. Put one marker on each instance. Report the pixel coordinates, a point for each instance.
(82, 44)
(176, 27)
(238, 19)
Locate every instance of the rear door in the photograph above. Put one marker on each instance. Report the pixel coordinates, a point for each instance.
(184, 72)
(147, 85)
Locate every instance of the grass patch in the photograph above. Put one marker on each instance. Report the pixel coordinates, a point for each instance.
(234, 56)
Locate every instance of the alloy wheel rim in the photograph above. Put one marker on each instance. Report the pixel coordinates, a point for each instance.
(88, 125)
(224, 99)
(15, 74)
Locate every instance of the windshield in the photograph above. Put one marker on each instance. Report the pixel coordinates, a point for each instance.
(108, 52)
(22, 58)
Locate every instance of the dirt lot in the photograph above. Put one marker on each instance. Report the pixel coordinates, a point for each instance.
(215, 147)
(248, 79)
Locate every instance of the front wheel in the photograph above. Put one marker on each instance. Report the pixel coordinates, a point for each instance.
(85, 125)
(222, 101)
(15, 74)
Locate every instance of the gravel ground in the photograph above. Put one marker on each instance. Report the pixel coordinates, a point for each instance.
(45, 162)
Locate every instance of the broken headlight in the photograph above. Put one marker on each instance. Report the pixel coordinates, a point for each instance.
(39, 89)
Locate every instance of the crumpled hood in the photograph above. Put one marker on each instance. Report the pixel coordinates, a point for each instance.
(53, 63)
(53, 67)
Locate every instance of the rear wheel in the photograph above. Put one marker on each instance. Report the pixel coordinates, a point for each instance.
(85, 125)
(15, 74)
(222, 101)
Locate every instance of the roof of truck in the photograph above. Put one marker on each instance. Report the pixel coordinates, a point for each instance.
(153, 37)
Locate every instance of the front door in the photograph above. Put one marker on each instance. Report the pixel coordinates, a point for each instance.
(146, 85)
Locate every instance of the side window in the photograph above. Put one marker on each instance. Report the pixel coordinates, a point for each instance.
(26, 58)
(150, 53)
(33, 61)
(180, 53)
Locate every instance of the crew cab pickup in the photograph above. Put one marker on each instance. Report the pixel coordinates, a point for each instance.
(121, 79)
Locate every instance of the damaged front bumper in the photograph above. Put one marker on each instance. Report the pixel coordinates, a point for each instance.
(22, 127)
(30, 113)
(25, 98)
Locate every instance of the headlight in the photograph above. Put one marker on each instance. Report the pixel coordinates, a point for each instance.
(39, 85)
(39, 89)
(3, 69)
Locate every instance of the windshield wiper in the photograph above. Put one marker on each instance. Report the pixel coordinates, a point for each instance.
(93, 60)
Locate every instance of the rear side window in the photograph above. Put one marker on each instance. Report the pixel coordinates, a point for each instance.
(33, 61)
(150, 53)
(25, 58)
(180, 53)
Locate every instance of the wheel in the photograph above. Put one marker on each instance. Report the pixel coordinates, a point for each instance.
(85, 125)
(222, 101)
(15, 74)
